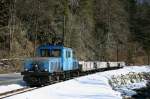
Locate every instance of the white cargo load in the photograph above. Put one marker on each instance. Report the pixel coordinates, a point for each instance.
(113, 64)
(116, 64)
(87, 66)
(101, 64)
(92, 65)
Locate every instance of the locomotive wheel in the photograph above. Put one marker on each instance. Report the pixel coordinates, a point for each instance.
(64, 76)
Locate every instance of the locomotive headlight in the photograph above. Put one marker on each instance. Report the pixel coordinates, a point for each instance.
(36, 65)
(45, 69)
(26, 69)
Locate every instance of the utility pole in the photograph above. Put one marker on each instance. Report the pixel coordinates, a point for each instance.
(117, 51)
(11, 23)
(64, 29)
(148, 58)
(65, 20)
(36, 24)
(35, 27)
(109, 27)
(10, 27)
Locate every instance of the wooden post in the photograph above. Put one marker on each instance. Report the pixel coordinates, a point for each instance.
(64, 30)
(148, 56)
(117, 51)
(11, 23)
(65, 21)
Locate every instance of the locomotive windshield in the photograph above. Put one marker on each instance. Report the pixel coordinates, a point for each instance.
(50, 53)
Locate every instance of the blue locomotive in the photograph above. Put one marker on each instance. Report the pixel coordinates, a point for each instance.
(53, 62)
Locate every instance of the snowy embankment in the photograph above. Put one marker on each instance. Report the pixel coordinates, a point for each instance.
(130, 78)
(96, 86)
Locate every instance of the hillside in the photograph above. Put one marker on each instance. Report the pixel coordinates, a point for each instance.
(105, 30)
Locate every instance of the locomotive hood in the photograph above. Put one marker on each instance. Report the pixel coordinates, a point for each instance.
(36, 64)
(49, 64)
(38, 58)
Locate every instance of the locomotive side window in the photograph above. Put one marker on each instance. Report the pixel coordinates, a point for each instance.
(45, 53)
(56, 53)
(74, 55)
(68, 54)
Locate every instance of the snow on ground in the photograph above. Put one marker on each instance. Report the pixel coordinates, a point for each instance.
(6, 88)
(10, 82)
(127, 90)
(95, 86)
(81, 88)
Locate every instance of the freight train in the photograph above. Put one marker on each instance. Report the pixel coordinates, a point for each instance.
(56, 62)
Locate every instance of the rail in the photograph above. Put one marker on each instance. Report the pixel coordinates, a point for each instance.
(15, 92)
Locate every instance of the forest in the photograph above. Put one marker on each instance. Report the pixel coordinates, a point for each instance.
(103, 30)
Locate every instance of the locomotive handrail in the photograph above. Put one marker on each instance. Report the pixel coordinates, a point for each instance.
(7, 59)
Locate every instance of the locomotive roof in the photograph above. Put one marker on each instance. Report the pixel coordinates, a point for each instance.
(51, 46)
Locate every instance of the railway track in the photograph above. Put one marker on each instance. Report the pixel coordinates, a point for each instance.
(15, 92)
(26, 89)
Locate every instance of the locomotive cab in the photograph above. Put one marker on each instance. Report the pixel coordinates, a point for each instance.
(49, 60)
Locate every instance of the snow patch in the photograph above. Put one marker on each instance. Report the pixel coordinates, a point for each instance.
(95, 86)
(9, 88)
